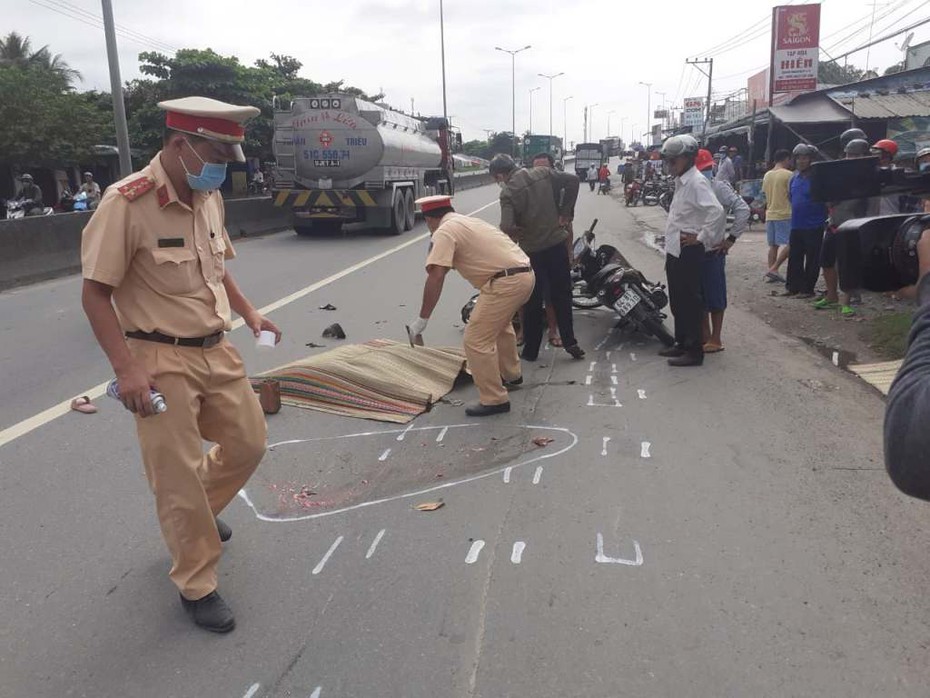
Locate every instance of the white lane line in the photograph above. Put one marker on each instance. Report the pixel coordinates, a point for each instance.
(316, 692)
(473, 552)
(517, 555)
(644, 450)
(401, 435)
(613, 380)
(442, 434)
(604, 449)
(588, 379)
(632, 356)
(537, 476)
(591, 367)
(601, 557)
(22, 428)
(374, 544)
(642, 394)
(253, 689)
(322, 563)
(507, 472)
(383, 456)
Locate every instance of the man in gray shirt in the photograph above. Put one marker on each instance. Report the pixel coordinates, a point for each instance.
(537, 206)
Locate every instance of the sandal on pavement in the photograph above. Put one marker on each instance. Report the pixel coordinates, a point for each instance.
(711, 348)
(82, 404)
(555, 341)
(772, 277)
(848, 311)
(825, 304)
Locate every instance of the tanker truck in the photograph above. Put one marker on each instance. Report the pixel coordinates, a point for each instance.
(341, 159)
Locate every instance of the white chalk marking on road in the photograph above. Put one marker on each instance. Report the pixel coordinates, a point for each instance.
(517, 555)
(374, 544)
(442, 434)
(836, 358)
(332, 549)
(601, 557)
(316, 692)
(383, 456)
(473, 552)
(591, 367)
(608, 355)
(604, 449)
(613, 379)
(613, 394)
(602, 342)
(591, 402)
(401, 435)
(588, 379)
(22, 428)
(613, 368)
(632, 356)
(253, 689)
(244, 495)
(537, 476)
(642, 394)
(507, 472)
(644, 450)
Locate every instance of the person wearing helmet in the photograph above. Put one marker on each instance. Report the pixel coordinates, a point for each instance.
(91, 189)
(726, 170)
(852, 134)
(695, 223)
(714, 270)
(537, 208)
(842, 249)
(30, 195)
(886, 149)
(775, 185)
(807, 221)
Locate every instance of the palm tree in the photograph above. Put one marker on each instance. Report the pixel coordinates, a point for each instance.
(16, 50)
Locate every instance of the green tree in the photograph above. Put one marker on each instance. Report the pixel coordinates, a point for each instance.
(896, 68)
(831, 73)
(16, 51)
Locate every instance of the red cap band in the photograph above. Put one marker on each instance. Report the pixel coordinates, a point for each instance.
(194, 124)
(444, 202)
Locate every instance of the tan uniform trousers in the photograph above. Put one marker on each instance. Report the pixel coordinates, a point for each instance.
(209, 399)
(490, 342)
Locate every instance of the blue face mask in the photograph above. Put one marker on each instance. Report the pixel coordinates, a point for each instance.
(211, 177)
(924, 167)
(709, 173)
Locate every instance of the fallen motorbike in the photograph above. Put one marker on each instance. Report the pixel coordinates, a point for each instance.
(632, 192)
(603, 276)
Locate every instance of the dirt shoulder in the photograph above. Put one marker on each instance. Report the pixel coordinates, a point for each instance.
(877, 333)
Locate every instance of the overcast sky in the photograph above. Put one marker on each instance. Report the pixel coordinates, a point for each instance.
(604, 48)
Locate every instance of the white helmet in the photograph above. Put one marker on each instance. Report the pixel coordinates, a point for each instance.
(922, 152)
(680, 145)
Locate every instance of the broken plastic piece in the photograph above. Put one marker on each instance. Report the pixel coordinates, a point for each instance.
(335, 331)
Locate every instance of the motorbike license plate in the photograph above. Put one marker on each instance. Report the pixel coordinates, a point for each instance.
(627, 302)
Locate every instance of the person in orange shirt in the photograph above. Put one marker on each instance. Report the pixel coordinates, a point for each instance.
(159, 299)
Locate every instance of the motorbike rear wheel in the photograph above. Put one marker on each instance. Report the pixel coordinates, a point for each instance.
(656, 328)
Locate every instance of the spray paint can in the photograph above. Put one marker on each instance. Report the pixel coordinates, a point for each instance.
(158, 400)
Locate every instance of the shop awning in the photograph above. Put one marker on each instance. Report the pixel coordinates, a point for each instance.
(887, 106)
(818, 109)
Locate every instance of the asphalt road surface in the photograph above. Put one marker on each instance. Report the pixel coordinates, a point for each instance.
(722, 531)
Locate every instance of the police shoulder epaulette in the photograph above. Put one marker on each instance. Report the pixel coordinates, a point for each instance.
(135, 188)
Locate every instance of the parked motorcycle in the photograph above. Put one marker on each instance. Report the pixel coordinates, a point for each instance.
(603, 276)
(20, 208)
(652, 190)
(604, 187)
(632, 192)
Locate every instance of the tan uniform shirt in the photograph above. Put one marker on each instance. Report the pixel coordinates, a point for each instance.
(165, 260)
(475, 249)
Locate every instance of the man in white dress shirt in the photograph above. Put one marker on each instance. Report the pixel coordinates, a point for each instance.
(696, 223)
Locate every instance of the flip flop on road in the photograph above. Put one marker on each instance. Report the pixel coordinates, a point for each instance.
(82, 404)
(772, 277)
(555, 341)
(711, 348)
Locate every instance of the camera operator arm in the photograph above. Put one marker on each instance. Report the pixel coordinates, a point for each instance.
(907, 417)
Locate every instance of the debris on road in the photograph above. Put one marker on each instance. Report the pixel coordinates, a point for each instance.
(328, 306)
(430, 506)
(543, 441)
(314, 345)
(334, 331)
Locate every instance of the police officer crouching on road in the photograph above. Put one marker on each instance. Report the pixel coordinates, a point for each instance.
(537, 207)
(493, 264)
(156, 249)
(695, 223)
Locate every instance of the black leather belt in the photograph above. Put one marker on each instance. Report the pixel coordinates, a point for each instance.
(511, 272)
(211, 340)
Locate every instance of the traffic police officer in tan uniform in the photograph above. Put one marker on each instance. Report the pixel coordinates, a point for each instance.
(494, 264)
(158, 297)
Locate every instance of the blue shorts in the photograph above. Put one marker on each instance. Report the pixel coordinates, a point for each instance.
(778, 232)
(714, 281)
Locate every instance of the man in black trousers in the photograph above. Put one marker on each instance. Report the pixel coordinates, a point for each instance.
(695, 223)
(537, 207)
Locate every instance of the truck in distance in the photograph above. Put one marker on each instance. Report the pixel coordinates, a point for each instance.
(587, 154)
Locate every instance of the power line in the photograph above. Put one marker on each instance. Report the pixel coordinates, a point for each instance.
(881, 39)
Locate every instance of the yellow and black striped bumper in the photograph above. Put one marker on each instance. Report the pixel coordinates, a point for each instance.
(330, 198)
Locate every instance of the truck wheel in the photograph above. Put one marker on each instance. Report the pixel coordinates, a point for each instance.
(398, 215)
(411, 219)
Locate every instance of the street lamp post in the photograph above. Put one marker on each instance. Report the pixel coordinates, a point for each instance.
(513, 75)
(550, 78)
(535, 89)
(589, 119)
(609, 114)
(565, 122)
(665, 120)
(442, 40)
(633, 133)
(648, 86)
(116, 89)
(622, 119)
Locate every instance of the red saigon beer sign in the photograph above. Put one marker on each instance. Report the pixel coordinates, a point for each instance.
(795, 47)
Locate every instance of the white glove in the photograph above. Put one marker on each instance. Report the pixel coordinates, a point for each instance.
(417, 327)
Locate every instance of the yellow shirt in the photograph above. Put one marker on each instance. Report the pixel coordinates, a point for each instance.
(777, 201)
(475, 249)
(164, 260)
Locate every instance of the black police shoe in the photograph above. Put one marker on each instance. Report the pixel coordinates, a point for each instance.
(223, 529)
(479, 410)
(687, 360)
(210, 613)
(672, 352)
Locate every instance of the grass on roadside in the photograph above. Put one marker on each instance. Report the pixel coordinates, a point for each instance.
(887, 334)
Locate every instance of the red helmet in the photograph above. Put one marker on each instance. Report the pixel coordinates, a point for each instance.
(887, 145)
(704, 160)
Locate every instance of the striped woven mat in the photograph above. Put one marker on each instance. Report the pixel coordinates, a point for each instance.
(381, 379)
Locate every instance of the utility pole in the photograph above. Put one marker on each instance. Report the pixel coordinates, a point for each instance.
(565, 122)
(589, 114)
(487, 133)
(442, 39)
(513, 94)
(535, 89)
(665, 119)
(697, 63)
(550, 78)
(116, 87)
(648, 86)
